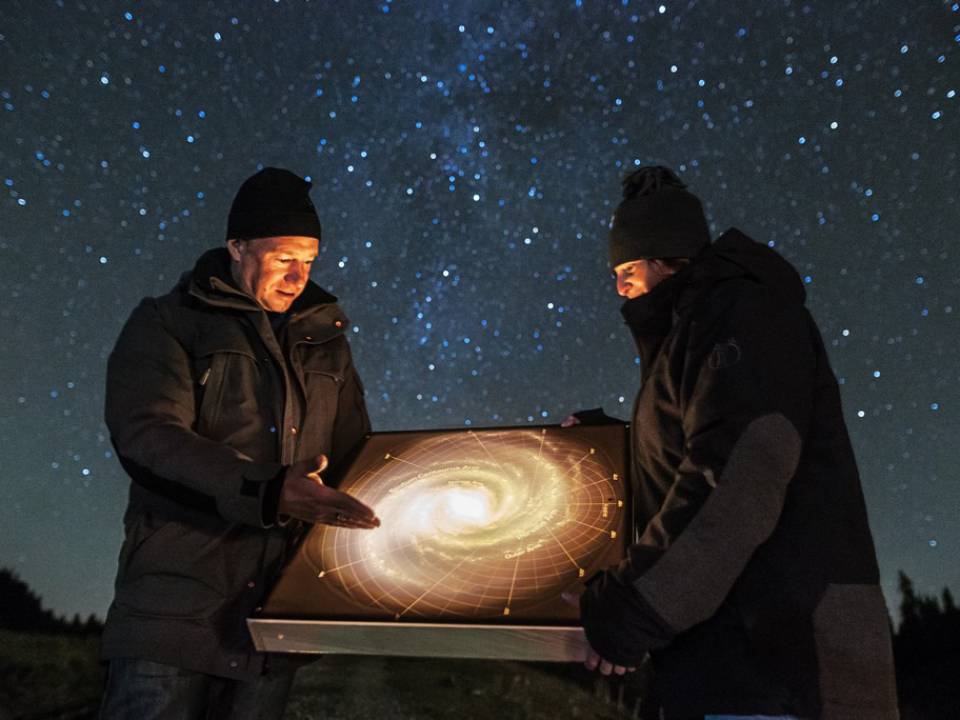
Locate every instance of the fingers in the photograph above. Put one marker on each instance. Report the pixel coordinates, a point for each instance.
(606, 667)
(345, 521)
(354, 507)
(344, 510)
(570, 421)
(592, 661)
(595, 662)
(320, 464)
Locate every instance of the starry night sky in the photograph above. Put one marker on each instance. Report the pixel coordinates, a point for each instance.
(466, 159)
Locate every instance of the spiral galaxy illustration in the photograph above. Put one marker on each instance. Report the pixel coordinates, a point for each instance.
(476, 524)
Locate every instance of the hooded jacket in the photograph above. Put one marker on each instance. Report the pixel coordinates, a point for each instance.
(206, 405)
(754, 582)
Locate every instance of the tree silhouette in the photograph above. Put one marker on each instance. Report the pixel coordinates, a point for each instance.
(22, 610)
(927, 652)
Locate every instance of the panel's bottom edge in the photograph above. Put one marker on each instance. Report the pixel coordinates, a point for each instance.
(487, 642)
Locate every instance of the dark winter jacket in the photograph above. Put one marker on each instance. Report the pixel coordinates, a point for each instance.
(754, 583)
(206, 404)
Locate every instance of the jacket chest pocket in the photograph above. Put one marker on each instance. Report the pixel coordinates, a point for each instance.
(322, 363)
(228, 385)
(323, 377)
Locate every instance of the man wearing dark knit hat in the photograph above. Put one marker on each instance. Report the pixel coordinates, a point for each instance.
(226, 400)
(753, 585)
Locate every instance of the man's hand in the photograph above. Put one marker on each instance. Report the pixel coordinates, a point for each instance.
(593, 416)
(305, 497)
(594, 661)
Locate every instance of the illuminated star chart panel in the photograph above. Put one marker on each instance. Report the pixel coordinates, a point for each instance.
(477, 526)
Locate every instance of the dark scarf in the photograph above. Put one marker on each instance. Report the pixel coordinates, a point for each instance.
(650, 317)
(278, 321)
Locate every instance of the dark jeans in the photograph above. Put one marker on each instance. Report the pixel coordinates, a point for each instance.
(145, 690)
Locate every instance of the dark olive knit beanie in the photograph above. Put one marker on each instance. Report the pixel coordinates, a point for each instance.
(272, 203)
(657, 218)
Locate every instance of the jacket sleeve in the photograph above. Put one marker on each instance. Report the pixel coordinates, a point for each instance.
(745, 394)
(151, 414)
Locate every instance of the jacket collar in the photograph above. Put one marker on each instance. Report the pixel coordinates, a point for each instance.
(211, 283)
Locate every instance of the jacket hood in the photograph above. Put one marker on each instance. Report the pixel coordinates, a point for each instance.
(211, 281)
(734, 255)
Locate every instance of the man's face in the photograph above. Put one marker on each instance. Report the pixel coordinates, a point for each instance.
(638, 277)
(274, 270)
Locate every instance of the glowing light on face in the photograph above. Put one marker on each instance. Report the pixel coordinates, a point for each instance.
(474, 524)
(638, 277)
(273, 270)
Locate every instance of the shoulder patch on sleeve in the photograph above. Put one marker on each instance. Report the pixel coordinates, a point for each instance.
(724, 354)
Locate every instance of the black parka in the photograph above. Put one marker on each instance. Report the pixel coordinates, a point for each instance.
(205, 405)
(754, 583)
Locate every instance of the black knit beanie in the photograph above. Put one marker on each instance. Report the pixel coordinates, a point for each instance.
(657, 218)
(271, 203)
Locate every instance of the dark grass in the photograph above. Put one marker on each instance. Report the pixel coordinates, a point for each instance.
(430, 689)
(46, 676)
(54, 676)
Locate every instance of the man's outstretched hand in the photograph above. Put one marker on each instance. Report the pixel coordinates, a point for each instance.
(305, 497)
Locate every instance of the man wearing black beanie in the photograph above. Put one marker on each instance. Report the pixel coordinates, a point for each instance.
(753, 585)
(226, 400)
